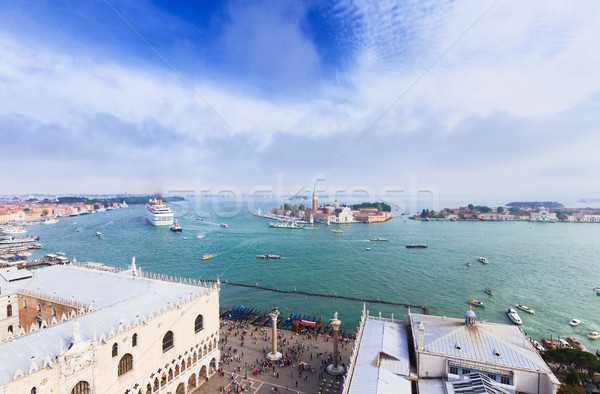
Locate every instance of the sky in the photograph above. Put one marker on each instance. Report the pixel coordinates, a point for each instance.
(470, 100)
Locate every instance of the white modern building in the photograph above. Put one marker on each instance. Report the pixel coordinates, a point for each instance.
(90, 329)
(439, 355)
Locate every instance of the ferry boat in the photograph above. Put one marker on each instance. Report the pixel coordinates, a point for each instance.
(420, 246)
(206, 256)
(526, 309)
(176, 228)
(13, 230)
(489, 291)
(548, 343)
(84, 211)
(514, 316)
(11, 240)
(575, 322)
(483, 260)
(594, 335)
(286, 224)
(159, 214)
(575, 343)
(476, 303)
(377, 239)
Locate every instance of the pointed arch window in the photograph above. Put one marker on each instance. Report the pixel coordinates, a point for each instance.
(82, 387)
(199, 323)
(167, 342)
(125, 364)
(8, 310)
(115, 350)
(134, 340)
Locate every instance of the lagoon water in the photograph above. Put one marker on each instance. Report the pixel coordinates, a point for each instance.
(551, 268)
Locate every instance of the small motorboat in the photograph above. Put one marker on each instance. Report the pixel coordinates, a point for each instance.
(468, 264)
(368, 249)
(476, 303)
(483, 260)
(418, 246)
(526, 309)
(273, 256)
(60, 253)
(199, 219)
(337, 231)
(537, 345)
(575, 343)
(548, 343)
(575, 322)
(514, 316)
(377, 239)
(206, 256)
(98, 234)
(78, 230)
(594, 335)
(176, 227)
(489, 291)
(564, 344)
(223, 225)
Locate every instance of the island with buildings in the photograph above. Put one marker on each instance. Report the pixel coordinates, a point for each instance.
(549, 212)
(342, 214)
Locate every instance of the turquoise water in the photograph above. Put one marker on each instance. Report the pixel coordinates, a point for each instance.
(548, 267)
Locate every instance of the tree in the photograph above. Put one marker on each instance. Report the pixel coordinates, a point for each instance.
(424, 214)
(566, 389)
(45, 212)
(500, 209)
(471, 207)
(572, 378)
(26, 209)
(301, 207)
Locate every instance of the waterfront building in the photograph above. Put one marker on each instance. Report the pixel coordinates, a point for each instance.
(543, 215)
(87, 328)
(444, 355)
(371, 215)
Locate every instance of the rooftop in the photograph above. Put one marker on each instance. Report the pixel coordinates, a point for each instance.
(115, 301)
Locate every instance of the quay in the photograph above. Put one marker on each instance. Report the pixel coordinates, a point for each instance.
(370, 301)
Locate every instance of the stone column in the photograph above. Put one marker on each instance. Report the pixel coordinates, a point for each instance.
(274, 355)
(335, 369)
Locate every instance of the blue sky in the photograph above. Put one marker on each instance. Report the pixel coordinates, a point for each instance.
(473, 99)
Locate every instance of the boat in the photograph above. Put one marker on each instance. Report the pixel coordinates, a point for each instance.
(564, 344)
(84, 211)
(594, 335)
(575, 343)
(13, 230)
(377, 239)
(286, 224)
(536, 345)
(60, 253)
(176, 228)
(548, 343)
(468, 264)
(261, 256)
(206, 256)
(337, 231)
(199, 219)
(575, 322)
(159, 214)
(420, 246)
(50, 221)
(273, 256)
(98, 234)
(368, 249)
(78, 230)
(476, 303)
(74, 213)
(526, 309)
(483, 260)
(514, 316)
(223, 225)
(23, 240)
(489, 291)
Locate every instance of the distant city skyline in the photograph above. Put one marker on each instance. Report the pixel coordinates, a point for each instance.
(479, 101)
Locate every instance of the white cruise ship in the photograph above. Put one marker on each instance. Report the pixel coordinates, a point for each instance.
(159, 214)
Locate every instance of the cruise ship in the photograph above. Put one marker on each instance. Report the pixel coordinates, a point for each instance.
(159, 214)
